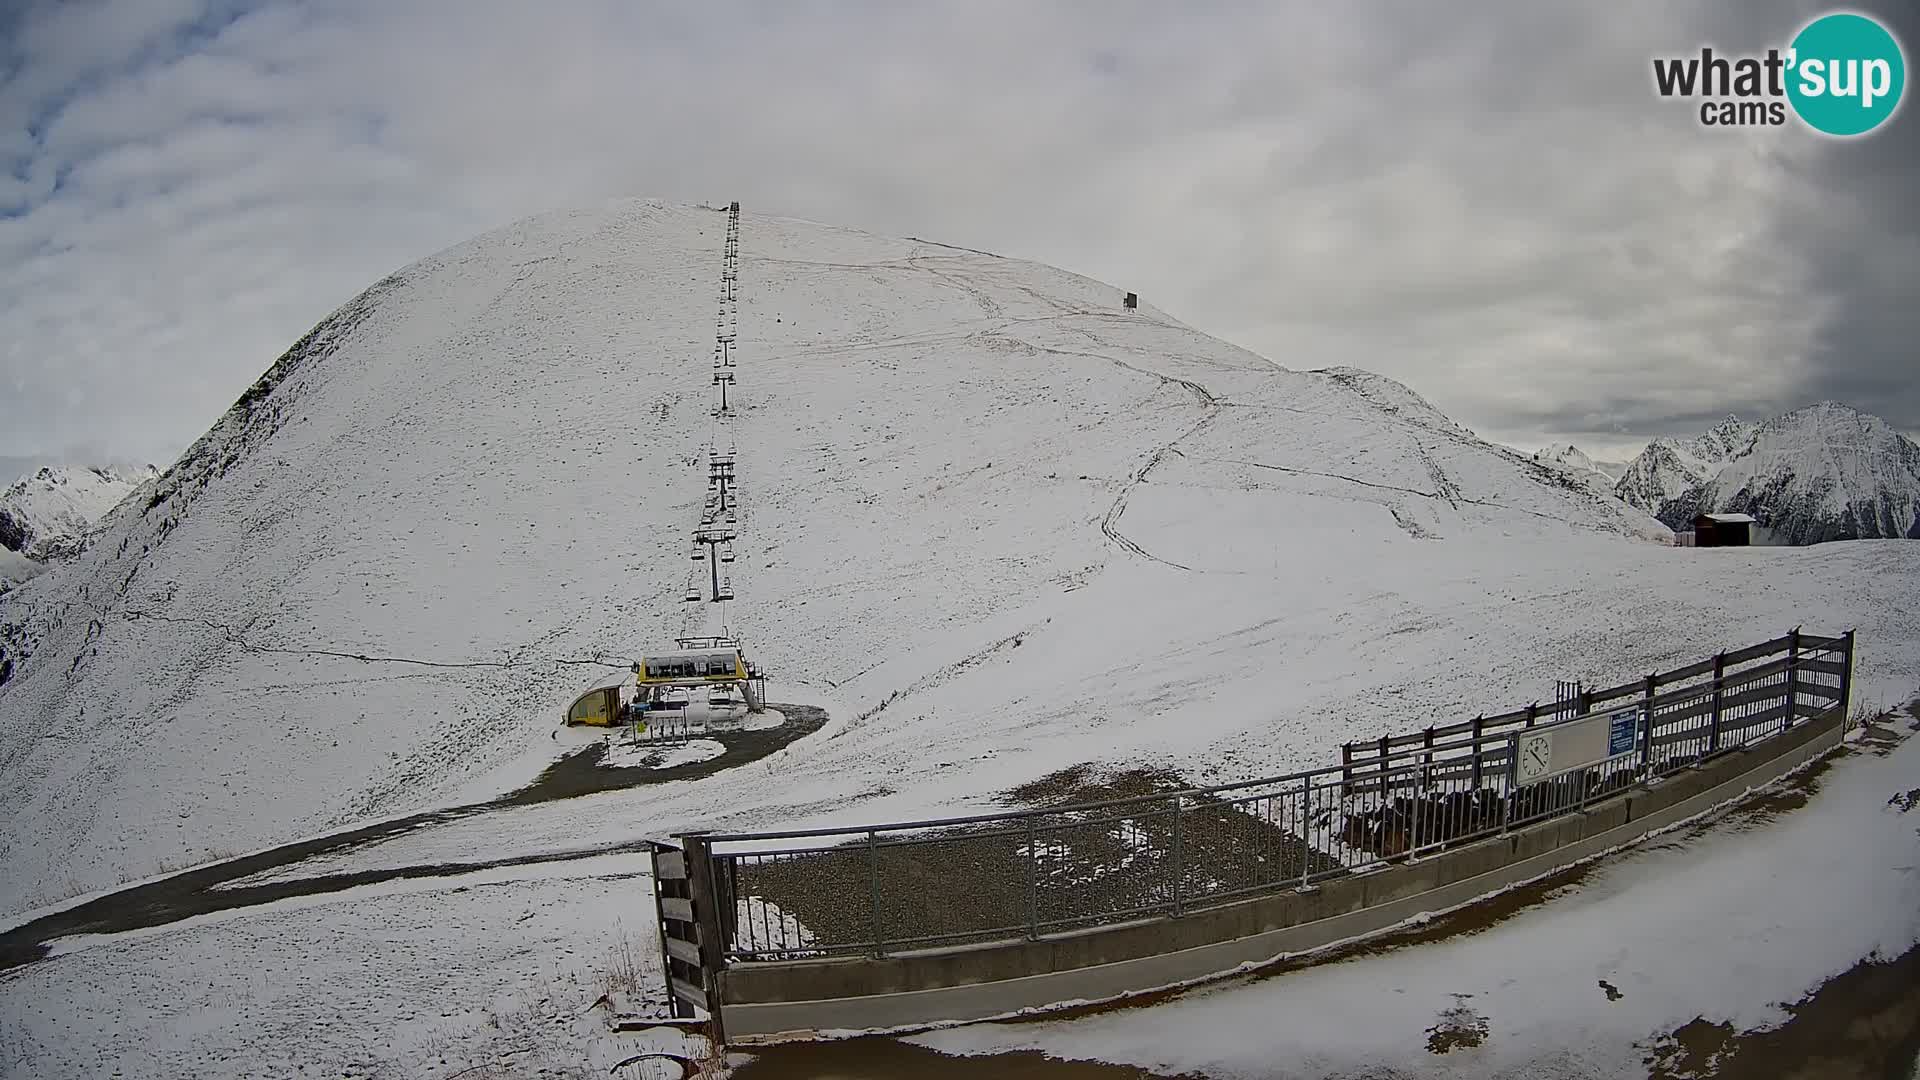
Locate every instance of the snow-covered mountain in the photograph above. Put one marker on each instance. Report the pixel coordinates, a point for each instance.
(1573, 459)
(45, 514)
(997, 523)
(1825, 472)
(487, 459)
(992, 522)
(1670, 467)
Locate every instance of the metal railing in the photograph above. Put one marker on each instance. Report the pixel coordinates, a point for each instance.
(665, 727)
(903, 886)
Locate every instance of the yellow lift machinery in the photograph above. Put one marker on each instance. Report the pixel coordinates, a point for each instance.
(712, 662)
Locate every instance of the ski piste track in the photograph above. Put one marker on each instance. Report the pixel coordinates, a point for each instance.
(229, 884)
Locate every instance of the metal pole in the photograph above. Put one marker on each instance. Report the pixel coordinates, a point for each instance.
(1719, 693)
(1793, 676)
(873, 893)
(1426, 762)
(1513, 783)
(1178, 855)
(1846, 683)
(1646, 724)
(1477, 751)
(1306, 830)
(1033, 884)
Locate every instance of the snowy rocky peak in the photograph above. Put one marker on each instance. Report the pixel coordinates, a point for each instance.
(1662, 472)
(1727, 439)
(46, 514)
(1669, 468)
(1825, 472)
(1573, 458)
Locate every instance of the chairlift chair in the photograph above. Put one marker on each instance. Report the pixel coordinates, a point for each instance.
(693, 596)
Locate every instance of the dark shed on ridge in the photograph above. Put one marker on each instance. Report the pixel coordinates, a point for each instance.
(1723, 530)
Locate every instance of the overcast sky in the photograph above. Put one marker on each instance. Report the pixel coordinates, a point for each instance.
(1486, 201)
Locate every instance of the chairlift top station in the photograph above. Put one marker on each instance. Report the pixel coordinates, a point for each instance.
(706, 661)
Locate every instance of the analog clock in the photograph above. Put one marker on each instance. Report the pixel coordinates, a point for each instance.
(1536, 757)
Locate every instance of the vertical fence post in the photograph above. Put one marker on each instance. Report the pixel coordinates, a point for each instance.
(1421, 797)
(666, 959)
(1646, 723)
(1478, 764)
(1346, 768)
(1306, 829)
(1033, 883)
(1846, 682)
(1719, 694)
(873, 893)
(1793, 676)
(1533, 714)
(706, 915)
(1178, 855)
(1513, 783)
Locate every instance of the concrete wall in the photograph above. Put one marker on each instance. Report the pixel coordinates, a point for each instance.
(977, 981)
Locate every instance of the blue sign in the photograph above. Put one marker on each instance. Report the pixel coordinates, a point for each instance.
(1621, 726)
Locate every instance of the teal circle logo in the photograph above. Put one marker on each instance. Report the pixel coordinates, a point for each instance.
(1846, 74)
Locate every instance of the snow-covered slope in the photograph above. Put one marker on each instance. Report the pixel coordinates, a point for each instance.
(1575, 460)
(47, 513)
(997, 523)
(1668, 468)
(1825, 472)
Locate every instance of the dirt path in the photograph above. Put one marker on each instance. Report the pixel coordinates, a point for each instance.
(205, 890)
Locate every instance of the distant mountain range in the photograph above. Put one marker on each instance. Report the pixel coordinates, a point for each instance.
(1825, 472)
(45, 515)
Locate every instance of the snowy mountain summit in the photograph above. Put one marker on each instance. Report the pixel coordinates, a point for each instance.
(1669, 468)
(382, 574)
(46, 514)
(1825, 472)
(1575, 460)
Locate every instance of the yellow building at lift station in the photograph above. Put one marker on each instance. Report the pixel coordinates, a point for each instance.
(605, 703)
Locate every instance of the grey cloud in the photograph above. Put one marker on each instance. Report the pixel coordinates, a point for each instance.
(1486, 203)
(1862, 238)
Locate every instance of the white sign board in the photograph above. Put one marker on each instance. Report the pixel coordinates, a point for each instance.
(1576, 744)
